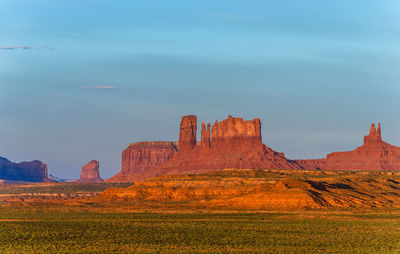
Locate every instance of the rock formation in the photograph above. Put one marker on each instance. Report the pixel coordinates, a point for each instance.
(374, 154)
(187, 134)
(141, 156)
(237, 144)
(244, 189)
(34, 171)
(232, 143)
(90, 173)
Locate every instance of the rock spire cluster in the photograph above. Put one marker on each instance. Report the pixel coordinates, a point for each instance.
(235, 143)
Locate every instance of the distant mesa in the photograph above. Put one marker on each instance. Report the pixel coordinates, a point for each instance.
(90, 173)
(235, 143)
(34, 171)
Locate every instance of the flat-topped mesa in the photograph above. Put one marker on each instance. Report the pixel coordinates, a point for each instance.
(205, 136)
(236, 132)
(34, 171)
(90, 173)
(235, 143)
(140, 156)
(187, 133)
(374, 135)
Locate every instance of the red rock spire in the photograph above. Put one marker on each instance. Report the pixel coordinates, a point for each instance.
(187, 133)
(374, 135)
(205, 135)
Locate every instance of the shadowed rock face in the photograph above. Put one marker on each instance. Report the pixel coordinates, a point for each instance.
(140, 156)
(90, 173)
(34, 171)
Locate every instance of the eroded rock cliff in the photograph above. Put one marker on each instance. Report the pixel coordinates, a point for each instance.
(231, 143)
(374, 154)
(140, 156)
(34, 171)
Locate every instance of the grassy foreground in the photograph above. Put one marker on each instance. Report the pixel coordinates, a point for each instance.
(32, 230)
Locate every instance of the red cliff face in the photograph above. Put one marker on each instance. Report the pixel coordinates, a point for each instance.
(140, 156)
(34, 171)
(205, 136)
(235, 143)
(374, 154)
(90, 173)
(232, 143)
(233, 133)
(187, 134)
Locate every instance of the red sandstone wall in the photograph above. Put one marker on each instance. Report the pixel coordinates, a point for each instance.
(140, 156)
(90, 173)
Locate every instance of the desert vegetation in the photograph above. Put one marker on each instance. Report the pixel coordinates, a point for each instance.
(31, 230)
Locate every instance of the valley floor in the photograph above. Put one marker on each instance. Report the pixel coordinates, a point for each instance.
(34, 230)
(231, 211)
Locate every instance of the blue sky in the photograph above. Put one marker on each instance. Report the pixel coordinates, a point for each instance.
(94, 75)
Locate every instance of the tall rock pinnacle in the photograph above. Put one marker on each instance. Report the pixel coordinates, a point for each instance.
(187, 134)
(374, 135)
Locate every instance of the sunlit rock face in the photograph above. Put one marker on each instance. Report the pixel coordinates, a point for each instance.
(34, 171)
(231, 143)
(90, 173)
(374, 154)
(235, 143)
(141, 156)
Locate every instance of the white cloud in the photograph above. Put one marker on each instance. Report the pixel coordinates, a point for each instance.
(12, 47)
(103, 87)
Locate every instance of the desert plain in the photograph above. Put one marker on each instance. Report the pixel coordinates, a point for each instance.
(228, 211)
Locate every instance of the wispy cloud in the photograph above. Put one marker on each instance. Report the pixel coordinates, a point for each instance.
(12, 47)
(16, 47)
(103, 87)
(99, 87)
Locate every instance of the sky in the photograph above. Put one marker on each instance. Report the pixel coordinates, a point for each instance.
(80, 80)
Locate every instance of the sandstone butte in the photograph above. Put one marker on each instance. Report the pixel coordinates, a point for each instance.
(90, 173)
(373, 155)
(34, 171)
(236, 144)
(231, 143)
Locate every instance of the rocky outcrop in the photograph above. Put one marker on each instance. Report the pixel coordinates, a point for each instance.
(233, 133)
(261, 190)
(235, 143)
(141, 156)
(187, 133)
(90, 173)
(317, 164)
(232, 143)
(34, 171)
(374, 154)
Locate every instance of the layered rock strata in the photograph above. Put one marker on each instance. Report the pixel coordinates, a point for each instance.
(235, 143)
(34, 171)
(374, 154)
(90, 173)
(141, 156)
(231, 143)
